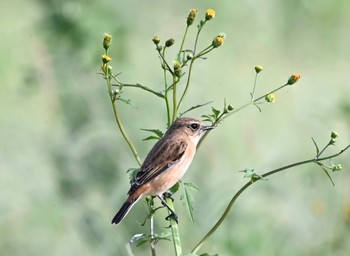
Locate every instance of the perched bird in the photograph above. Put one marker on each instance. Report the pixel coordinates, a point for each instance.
(165, 164)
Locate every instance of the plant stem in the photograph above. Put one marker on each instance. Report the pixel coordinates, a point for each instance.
(252, 94)
(175, 230)
(183, 42)
(187, 83)
(252, 102)
(119, 123)
(166, 89)
(204, 51)
(235, 197)
(144, 88)
(191, 64)
(153, 243)
(175, 106)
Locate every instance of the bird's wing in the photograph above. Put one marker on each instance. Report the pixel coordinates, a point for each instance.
(163, 155)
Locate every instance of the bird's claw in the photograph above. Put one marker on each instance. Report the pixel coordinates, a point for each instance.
(172, 216)
(168, 195)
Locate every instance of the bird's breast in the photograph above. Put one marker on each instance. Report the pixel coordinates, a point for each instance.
(173, 174)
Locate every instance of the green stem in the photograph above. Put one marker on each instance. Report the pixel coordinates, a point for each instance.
(321, 152)
(197, 37)
(175, 105)
(191, 64)
(252, 102)
(204, 51)
(144, 88)
(166, 89)
(166, 67)
(187, 83)
(118, 120)
(183, 42)
(252, 94)
(153, 243)
(175, 230)
(235, 197)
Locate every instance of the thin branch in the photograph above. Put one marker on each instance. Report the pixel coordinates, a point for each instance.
(137, 85)
(118, 120)
(235, 197)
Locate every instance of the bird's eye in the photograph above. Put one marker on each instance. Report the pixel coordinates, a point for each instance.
(194, 126)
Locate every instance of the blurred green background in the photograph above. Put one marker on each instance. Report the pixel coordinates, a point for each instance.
(63, 163)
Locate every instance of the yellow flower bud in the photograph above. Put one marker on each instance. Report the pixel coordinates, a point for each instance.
(107, 41)
(210, 14)
(191, 16)
(293, 79)
(218, 40)
(106, 58)
(258, 69)
(156, 40)
(271, 98)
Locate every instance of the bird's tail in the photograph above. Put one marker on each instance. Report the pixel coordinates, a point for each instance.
(124, 210)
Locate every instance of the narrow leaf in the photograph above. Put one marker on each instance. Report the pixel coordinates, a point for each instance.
(208, 118)
(158, 134)
(164, 236)
(215, 111)
(175, 188)
(329, 176)
(127, 101)
(194, 107)
(141, 242)
(317, 149)
(151, 138)
(192, 186)
(187, 199)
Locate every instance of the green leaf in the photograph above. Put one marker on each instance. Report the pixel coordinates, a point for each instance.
(158, 134)
(192, 186)
(187, 198)
(329, 176)
(151, 138)
(175, 188)
(164, 236)
(215, 111)
(127, 101)
(208, 118)
(317, 149)
(141, 242)
(194, 107)
(139, 239)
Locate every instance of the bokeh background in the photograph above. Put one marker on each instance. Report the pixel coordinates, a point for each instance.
(63, 163)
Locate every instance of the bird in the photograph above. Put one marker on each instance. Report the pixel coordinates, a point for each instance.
(165, 164)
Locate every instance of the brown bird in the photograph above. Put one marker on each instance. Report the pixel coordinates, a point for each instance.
(165, 164)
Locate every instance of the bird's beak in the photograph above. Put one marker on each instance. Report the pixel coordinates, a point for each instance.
(208, 127)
